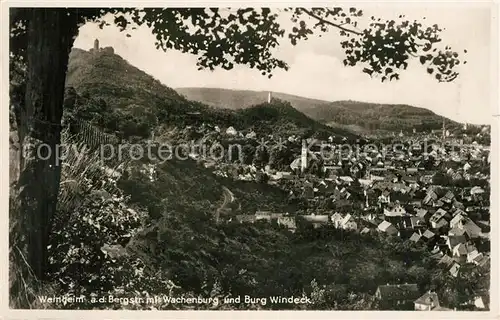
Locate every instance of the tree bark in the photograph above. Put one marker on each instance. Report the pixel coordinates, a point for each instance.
(50, 37)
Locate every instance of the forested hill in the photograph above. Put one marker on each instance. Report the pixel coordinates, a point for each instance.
(135, 102)
(350, 114)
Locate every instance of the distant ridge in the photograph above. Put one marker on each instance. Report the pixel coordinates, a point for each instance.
(353, 115)
(240, 99)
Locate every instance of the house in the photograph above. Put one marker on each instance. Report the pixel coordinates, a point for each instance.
(428, 235)
(283, 175)
(276, 216)
(456, 176)
(456, 222)
(336, 219)
(439, 223)
(484, 263)
(427, 302)
(417, 222)
(348, 223)
(459, 252)
(438, 203)
(405, 223)
(387, 227)
(448, 197)
(482, 300)
(346, 179)
(365, 231)
(452, 241)
(245, 218)
(263, 215)
(345, 193)
(288, 222)
(385, 197)
(472, 230)
(458, 205)
(459, 211)
(370, 216)
(415, 203)
(251, 135)
(422, 213)
(456, 232)
(415, 237)
(476, 190)
(474, 257)
(399, 296)
(412, 170)
(231, 131)
(426, 179)
(316, 220)
(446, 260)
(437, 220)
(436, 254)
(466, 167)
(394, 211)
(430, 198)
(484, 225)
(455, 269)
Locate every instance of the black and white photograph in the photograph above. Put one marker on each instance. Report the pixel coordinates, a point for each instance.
(224, 157)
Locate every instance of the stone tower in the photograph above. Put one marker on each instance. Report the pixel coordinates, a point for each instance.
(269, 97)
(444, 130)
(303, 157)
(96, 45)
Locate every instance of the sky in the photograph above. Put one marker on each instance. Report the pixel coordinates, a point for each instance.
(317, 71)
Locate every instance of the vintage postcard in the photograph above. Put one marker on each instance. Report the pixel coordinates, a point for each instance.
(251, 157)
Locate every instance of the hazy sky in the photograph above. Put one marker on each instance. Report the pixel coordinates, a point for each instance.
(317, 71)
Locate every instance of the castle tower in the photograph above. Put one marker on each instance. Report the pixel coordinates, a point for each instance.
(96, 45)
(303, 157)
(269, 97)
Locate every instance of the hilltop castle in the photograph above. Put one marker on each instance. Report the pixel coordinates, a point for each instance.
(96, 49)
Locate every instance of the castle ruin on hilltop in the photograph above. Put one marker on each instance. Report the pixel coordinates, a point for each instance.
(97, 50)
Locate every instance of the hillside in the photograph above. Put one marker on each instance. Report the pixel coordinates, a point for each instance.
(139, 103)
(349, 115)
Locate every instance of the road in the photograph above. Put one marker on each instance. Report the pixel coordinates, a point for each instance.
(228, 198)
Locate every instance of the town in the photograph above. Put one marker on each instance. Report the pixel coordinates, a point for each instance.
(429, 189)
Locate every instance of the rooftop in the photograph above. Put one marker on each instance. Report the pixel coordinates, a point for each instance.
(398, 291)
(429, 298)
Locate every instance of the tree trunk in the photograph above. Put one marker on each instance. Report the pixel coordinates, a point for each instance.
(50, 37)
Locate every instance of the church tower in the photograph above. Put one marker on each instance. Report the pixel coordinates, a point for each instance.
(96, 45)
